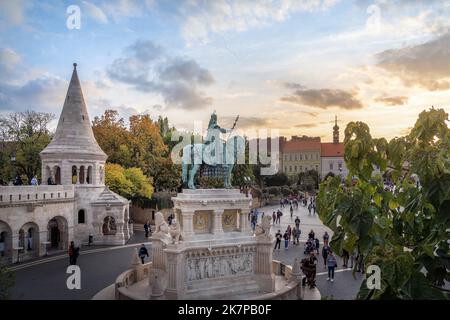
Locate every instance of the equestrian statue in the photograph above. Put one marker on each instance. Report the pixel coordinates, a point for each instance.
(213, 152)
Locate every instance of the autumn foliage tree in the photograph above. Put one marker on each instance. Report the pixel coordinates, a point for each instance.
(405, 231)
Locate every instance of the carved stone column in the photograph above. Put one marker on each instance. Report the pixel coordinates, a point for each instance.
(244, 225)
(217, 221)
(187, 224)
(264, 267)
(176, 274)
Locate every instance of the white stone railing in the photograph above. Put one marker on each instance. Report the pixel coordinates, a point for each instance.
(19, 194)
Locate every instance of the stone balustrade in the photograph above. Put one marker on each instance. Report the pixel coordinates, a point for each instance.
(27, 194)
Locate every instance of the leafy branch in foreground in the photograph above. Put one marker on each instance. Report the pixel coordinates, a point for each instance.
(403, 229)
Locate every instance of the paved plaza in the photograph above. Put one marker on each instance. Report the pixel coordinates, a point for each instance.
(101, 266)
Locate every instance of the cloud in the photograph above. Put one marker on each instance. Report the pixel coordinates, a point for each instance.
(44, 94)
(202, 18)
(426, 65)
(307, 125)
(324, 98)
(9, 59)
(246, 122)
(293, 86)
(12, 12)
(95, 12)
(393, 101)
(148, 68)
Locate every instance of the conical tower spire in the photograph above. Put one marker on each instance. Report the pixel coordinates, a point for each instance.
(74, 132)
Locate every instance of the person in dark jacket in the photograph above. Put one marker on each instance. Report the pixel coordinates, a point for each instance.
(143, 253)
(146, 227)
(278, 237)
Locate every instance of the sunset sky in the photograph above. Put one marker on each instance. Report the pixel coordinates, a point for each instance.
(290, 65)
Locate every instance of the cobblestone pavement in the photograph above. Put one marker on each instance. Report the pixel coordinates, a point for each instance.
(345, 286)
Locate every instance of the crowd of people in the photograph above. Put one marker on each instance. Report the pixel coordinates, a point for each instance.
(313, 250)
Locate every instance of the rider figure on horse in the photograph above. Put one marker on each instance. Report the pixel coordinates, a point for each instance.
(212, 141)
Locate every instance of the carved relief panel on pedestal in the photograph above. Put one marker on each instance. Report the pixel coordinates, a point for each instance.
(219, 266)
(202, 222)
(229, 221)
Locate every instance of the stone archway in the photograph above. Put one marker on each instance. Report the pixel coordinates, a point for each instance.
(5, 243)
(109, 226)
(29, 239)
(58, 233)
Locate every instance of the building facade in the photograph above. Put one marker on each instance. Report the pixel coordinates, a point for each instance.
(300, 154)
(73, 204)
(332, 156)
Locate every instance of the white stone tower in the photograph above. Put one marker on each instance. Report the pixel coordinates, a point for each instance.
(74, 157)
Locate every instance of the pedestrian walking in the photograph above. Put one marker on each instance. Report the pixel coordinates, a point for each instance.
(297, 222)
(143, 252)
(309, 208)
(345, 258)
(317, 243)
(291, 209)
(325, 250)
(326, 238)
(74, 252)
(146, 226)
(311, 235)
(278, 237)
(286, 240)
(289, 230)
(274, 217)
(332, 264)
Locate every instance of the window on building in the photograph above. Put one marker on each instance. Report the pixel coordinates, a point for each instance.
(301, 156)
(290, 168)
(301, 168)
(331, 166)
(340, 165)
(306, 157)
(295, 168)
(81, 216)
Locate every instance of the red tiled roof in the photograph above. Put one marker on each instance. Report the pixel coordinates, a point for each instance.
(330, 149)
(295, 145)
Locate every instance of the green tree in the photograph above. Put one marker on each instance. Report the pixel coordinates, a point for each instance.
(7, 279)
(25, 135)
(405, 231)
(130, 183)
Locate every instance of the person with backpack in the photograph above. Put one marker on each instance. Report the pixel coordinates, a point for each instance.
(311, 235)
(332, 264)
(278, 237)
(143, 252)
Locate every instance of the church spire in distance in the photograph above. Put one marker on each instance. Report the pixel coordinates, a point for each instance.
(335, 131)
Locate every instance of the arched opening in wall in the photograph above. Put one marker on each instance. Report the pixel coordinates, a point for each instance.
(81, 216)
(58, 233)
(21, 241)
(57, 170)
(82, 175)
(74, 175)
(89, 175)
(5, 243)
(109, 226)
(48, 176)
(30, 243)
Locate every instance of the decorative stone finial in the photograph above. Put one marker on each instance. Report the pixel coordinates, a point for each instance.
(75, 66)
